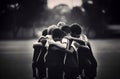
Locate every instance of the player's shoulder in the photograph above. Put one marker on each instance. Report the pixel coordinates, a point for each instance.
(41, 38)
(64, 40)
(37, 44)
(84, 37)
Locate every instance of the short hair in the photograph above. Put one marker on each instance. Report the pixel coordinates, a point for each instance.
(50, 28)
(59, 24)
(57, 33)
(76, 28)
(44, 32)
(65, 28)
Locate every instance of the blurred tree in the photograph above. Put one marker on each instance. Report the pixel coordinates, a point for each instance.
(77, 15)
(15, 14)
(94, 17)
(60, 13)
(113, 12)
(110, 10)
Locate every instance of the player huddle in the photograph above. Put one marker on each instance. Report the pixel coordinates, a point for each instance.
(63, 52)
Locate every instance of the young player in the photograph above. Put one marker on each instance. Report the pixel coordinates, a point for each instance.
(71, 59)
(38, 65)
(55, 55)
(87, 62)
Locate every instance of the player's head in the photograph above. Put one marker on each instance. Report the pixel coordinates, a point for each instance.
(44, 32)
(57, 34)
(76, 29)
(66, 29)
(50, 28)
(60, 24)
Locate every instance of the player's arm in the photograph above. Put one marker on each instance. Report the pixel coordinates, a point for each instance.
(58, 44)
(76, 44)
(75, 39)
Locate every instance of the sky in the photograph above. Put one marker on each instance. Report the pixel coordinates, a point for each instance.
(70, 3)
